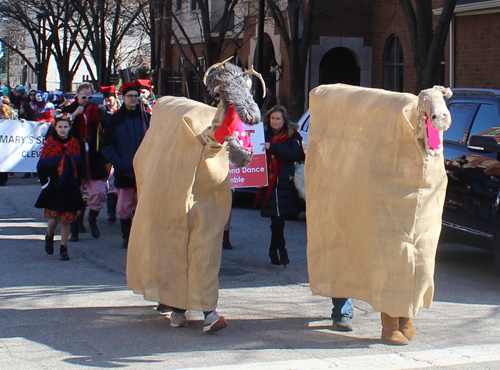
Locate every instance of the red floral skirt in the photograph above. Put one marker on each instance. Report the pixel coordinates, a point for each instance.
(60, 216)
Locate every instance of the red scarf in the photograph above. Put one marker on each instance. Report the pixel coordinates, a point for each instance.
(53, 148)
(273, 165)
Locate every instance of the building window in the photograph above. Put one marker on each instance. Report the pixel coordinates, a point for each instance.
(179, 4)
(393, 65)
(195, 5)
(202, 63)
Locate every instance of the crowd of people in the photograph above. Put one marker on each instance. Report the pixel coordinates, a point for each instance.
(86, 149)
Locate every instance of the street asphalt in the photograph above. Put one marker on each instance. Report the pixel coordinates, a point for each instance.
(79, 314)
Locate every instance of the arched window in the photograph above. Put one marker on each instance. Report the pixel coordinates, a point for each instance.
(393, 65)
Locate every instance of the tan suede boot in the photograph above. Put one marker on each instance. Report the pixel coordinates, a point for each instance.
(390, 331)
(406, 327)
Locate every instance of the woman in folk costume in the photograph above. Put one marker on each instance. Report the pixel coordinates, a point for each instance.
(60, 170)
(375, 185)
(182, 174)
(279, 200)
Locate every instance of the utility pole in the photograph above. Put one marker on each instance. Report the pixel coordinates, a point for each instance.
(260, 51)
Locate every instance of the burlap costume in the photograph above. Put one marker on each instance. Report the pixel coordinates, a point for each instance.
(374, 202)
(184, 202)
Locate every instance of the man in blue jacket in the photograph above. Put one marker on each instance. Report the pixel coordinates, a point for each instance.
(122, 137)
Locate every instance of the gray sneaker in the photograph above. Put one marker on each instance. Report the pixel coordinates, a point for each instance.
(214, 323)
(178, 320)
(344, 324)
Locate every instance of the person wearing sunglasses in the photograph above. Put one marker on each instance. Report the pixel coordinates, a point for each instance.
(122, 137)
(88, 130)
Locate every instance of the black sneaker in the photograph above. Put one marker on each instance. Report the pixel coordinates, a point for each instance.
(163, 308)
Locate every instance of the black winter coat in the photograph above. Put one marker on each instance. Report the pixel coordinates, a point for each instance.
(122, 137)
(97, 162)
(283, 200)
(60, 195)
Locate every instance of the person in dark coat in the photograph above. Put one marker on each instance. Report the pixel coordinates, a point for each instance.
(279, 200)
(60, 170)
(122, 137)
(87, 129)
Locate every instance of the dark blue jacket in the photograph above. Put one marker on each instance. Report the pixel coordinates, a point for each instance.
(122, 137)
(283, 200)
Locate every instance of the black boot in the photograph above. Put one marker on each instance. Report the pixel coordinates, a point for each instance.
(125, 225)
(284, 257)
(94, 230)
(73, 227)
(273, 254)
(63, 252)
(111, 206)
(278, 242)
(81, 219)
(49, 244)
(226, 244)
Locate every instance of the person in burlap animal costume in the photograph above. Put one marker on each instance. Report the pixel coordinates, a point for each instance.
(184, 196)
(375, 184)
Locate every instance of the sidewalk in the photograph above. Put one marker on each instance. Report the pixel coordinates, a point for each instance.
(79, 314)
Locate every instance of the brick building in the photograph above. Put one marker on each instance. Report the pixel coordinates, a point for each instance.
(368, 44)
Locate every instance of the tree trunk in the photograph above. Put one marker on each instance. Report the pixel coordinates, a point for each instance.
(42, 77)
(297, 86)
(66, 80)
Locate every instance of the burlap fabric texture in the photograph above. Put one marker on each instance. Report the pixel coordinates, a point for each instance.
(184, 202)
(374, 203)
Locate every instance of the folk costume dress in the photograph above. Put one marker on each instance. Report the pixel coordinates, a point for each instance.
(60, 169)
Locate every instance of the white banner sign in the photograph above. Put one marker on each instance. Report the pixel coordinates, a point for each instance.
(21, 144)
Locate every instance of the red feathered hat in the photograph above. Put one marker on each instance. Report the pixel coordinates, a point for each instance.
(108, 91)
(128, 86)
(144, 84)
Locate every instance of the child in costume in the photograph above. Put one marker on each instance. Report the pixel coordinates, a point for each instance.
(59, 170)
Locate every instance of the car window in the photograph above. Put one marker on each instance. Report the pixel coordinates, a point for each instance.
(305, 125)
(461, 116)
(487, 121)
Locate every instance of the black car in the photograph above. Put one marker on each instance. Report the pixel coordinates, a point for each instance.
(471, 150)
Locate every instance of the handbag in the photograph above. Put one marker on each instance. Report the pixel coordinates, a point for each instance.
(299, 180)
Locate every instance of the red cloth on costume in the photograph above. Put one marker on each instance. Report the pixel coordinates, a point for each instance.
(228, 126)
(92, 113)
(46, 117)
